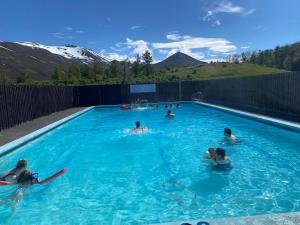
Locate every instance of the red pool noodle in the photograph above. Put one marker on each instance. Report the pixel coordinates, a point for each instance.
(53, 176)
(6, 183)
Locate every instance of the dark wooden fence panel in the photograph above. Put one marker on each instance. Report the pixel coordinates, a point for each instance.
(23, 103)
(274, 95)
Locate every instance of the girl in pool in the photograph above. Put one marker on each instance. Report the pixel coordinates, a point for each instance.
(210, 154)
(24, 180)
(13, 174)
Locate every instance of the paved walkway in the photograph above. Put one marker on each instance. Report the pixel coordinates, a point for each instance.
(18, 131)
(270, 219)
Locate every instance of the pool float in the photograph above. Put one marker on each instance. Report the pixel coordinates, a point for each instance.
(124, 107)
(39, 182)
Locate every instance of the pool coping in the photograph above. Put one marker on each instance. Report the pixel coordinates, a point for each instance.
(11, 146)
(257, 117)
(292, 218)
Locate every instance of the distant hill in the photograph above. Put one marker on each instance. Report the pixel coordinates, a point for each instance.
(40, 60)
(178, 60)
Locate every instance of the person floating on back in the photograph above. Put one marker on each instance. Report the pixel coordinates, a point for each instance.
(229, 136)
(13, 174)
(138, 127)
(170, 115)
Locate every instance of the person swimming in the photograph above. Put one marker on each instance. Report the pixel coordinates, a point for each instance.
(210, 154)
(170, 115)
(138, 127)
(14, 173)
(220, 157)
(24, 180)
(229, 136)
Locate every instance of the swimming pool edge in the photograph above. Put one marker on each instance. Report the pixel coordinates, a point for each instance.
(291, 218)
(288, 125)
(13, 145)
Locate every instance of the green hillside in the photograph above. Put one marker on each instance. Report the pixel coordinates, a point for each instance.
(206, 72)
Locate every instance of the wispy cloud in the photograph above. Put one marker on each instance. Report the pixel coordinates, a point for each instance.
(108, 19)
(224, 7)
(68, 28)
(61, 35)
(249, 12)
(245, 47)
(135, 27)
(79, 31)
(173, 36)
(188, 42)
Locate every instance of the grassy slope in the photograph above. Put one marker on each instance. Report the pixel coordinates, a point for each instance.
(216, 70)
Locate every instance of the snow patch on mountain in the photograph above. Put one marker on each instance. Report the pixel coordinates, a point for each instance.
(68, 51)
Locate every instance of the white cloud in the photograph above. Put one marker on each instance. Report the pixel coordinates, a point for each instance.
(79, 31)
(173, 37)
(68, 28)
(138, 46)
(135, 27)
(61, 35)
(227, 7)
(245, 47)
(249, 12)
(224, 7)
(212, 44)
(116, 56)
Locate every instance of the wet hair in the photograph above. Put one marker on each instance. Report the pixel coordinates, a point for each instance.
(227, 131)
(221, 152)
(22, 163)
(138, 124)
(169, 112)
(25, 176)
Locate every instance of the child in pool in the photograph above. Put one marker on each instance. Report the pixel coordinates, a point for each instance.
(229, 136)
(14, 173)
(170, 115)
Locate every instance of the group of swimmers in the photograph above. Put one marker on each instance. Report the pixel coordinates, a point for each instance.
(20, 174)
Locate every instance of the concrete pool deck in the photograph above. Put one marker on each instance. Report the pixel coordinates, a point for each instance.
(269, 219)
(13, 133)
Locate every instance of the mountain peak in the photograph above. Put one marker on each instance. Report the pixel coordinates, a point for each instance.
(177, 60)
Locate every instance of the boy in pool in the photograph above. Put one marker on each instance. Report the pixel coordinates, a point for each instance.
(14, 173)
(138, 127)
(170, 115)
(229, 136)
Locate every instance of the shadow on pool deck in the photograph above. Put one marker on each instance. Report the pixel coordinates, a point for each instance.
(269, 219)
(23, 129)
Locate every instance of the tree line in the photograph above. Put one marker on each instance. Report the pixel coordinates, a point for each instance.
(116, 72)
(286, 57)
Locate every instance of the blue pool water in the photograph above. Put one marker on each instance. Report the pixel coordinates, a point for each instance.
(116, 177)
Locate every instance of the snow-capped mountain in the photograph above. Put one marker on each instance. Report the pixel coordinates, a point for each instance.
(40, 60)
(69, 52)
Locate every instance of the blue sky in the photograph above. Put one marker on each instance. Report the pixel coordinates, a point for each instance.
(204, 29)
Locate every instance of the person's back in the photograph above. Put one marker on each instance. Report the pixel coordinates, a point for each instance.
(170, 115)
(138, 127)
(229, 136)
(14, 173)
(220, 157)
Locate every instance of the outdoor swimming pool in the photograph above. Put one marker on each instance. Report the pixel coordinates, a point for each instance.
(116, 177)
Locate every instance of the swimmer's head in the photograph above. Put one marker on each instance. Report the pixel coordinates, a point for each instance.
(169, 112)
(221, 153)
(21, 164)
(137, 124)
(25, 178)
(227, 132)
